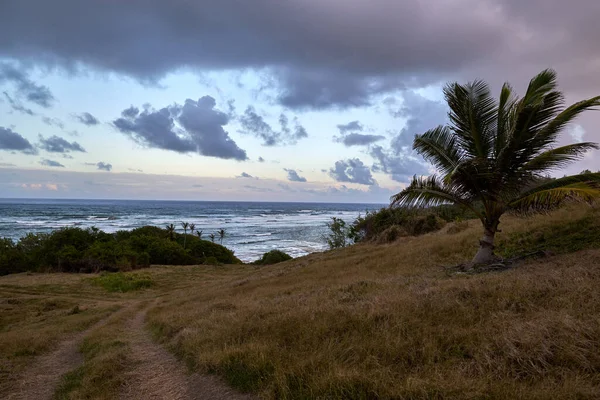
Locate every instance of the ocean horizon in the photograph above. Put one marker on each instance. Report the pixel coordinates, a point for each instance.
(252, 227)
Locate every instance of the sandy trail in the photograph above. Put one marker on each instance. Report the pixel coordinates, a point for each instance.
(159, 375)
(40, 380)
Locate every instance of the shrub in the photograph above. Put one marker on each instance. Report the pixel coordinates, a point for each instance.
(458, 226)
(210, 261)
(338, 236)
(202, 249)
(273, 257)
(12, 260)
(391, 234)
(91, 250)
(411, 222)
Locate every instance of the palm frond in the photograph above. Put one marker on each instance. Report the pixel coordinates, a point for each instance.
(549, 133)
(549, 195)
(506, 107)
(430, 192)
(558, 157)
(472, 115)
(439, 147)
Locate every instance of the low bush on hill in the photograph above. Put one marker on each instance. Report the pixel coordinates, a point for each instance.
(273, 257)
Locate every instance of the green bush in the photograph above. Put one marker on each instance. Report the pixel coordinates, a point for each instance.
(12, 260)
(409, 222)
(91, 250)
(273, 257)
(202, 249)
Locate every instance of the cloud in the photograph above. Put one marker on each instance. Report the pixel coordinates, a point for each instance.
(358, 139)
(87, 119)
(53, 122)
(353, 171)
(3, 164)
(194, 127)
(420, 113)
(260, 159)
(17, 106)
(12, 141)
(104, 166)
(400, 166)
(51, 163)
(244, 175)
(293, 176)
(134, 170)
(349, 136)
(348, 56)
(352, 126)
(25, 87)
(56, 144)
(253, 123)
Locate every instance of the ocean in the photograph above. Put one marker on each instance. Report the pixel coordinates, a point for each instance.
(252, 228)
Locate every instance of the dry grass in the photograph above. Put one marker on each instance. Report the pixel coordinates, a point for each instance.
(387, 321)
(369, 321)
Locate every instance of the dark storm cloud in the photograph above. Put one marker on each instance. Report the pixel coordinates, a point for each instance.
(194, 127)
(56, 144)
(353, 171)
(25, 87)
(51, 163)
(12, 141)
(254, 124)
(260, 159)
(320, 53)
(17, 106)
(87, 119)
(102, 166)
(293, 176)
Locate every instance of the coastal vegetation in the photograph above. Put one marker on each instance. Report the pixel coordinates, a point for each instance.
(92, 250)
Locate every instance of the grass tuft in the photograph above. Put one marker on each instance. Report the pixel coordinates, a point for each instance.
(123, 282)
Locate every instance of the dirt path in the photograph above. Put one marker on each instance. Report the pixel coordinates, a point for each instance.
(158, 374)
(41, 379)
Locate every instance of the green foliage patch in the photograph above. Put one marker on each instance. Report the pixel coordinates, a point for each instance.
(123, 282)
(92, 250)
(273, 257)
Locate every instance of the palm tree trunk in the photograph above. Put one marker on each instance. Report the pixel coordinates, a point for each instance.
(485, 254)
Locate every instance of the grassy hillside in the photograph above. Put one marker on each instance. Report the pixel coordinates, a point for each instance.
(368, 321)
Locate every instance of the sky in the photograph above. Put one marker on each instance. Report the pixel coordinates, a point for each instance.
(262, 100)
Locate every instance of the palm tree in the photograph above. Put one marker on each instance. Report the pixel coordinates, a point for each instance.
(221, 235)
(212, 237)
(170, 231)
(492, 153)
(184, 225)
(199, 233)
(192, 228)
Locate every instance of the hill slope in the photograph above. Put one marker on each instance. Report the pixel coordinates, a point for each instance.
(388, 321)
(368, 321)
